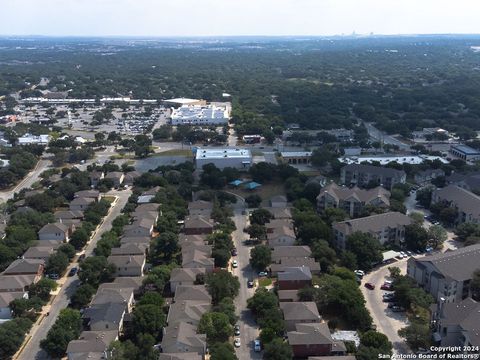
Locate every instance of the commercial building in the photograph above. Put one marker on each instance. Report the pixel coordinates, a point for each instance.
(29, 139)
(224, 157)
(183, 102)
(200, 115)
(465, 152)
(296, 157)
(351, 200)
(366, 175)
(446, 276)
(388, 227)
(466, 202)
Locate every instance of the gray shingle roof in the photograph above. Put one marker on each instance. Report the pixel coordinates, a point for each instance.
(290, 251)
(24, 266)
(375, 170)
(458, 265)
(342, 193)
(180, 274)
(300, 311)
(463, 199)
(373, 223)
(310, 334)
(182, 334)
(189, 311)
(295, 274)
(192, 292)
(52, 228)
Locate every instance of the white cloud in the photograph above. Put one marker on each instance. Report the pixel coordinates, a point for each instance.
(237, 17)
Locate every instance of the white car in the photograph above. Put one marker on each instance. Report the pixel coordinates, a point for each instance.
(234, 263)
(237, 342)
(359, 273)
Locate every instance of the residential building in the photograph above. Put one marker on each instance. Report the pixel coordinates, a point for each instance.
(95, 177)
(88, 194)
(294, 278)
(188, 311)
(135, 240)
(200, 207)
(116, 177)
(387, 227)
(128, 265)
(80, 203)
(282, 252)
(180, 276)
(470, 181)
(130, 249)
(184, 239)
(280, 213)
(466, 202)
(446, 275)
(278, 201)
(456, 324)
(294, 262)
(183, 338)
(129, 177)
(196, 259)
(55, 231)
(352, 200)
(314, 340)
(200, 115)
(288, 295)
(197, 225)
(91, 345)
(140, 227)
(25, 267)
(465, 152)
(70, 216)
(147, 196)
(17, 283)
(38, 252)
(180, 356)
(192, 292)
(5, 299)
(275, 224)
(366, 175)
(299, 313)
(283, 236)
(425, 177)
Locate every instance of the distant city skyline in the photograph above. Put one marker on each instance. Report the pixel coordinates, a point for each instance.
(237, 17)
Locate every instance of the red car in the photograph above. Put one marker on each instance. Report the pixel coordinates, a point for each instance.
(387, 287)
(369, 286)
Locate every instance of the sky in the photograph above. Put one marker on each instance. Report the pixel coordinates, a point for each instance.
(236, 17)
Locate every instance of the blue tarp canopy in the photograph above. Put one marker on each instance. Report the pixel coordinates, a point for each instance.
(236, 182)
(252, 185)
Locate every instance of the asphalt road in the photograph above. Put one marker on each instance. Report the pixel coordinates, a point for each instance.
(387, 322)
(381, 136)
(248, 328)
(32, 177)
(40, 329)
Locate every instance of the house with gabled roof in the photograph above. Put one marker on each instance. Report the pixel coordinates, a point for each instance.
(314, 340)
(128, 265)
(294, 278)
(183, 338)
(188, 311)
(299, 312)
(296, 251)
(192, 292)
(55, 231)
(197, 225)
(80, 203)
(181, 276)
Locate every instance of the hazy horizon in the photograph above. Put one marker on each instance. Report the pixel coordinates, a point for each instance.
(231, 18)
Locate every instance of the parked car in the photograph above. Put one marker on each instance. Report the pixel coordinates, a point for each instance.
(370, 286)
(237, 330)
(53, 276)
(73, 271)
(262, 273)
(257, 346)
(237, 342)
(397, 308)
(234, 264)
(387, 287)
(81, 258)
(250, 283)
(359, 273)
(234, 252)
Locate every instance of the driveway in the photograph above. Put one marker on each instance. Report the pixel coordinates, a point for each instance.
(67, 286)
(248, 328)
(387, 322)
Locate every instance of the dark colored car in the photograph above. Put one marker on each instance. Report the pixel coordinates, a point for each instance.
(250, 283)
(387, 287)
(234, 252)
(237, 330)
(81, 257)
(73, 271)
(370, 286)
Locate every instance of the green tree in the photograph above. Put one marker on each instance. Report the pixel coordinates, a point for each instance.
(42, 289)
(227, 307)
(366, 248)
(167, 245)
(12, 334)
(216, 325)
(67, 327)
(417, 334)
(257, 231)
(253, 200)
(149, 319)
(222, 351)
(82, 296)
(152, 298)
(416, 237)
(374, 339)
(260, 216)
(437, 235)
(278, 349)
(79, 238)
(68, 250)
(475, 285)
(56, 263)
(464, 230)
(95, 270)
(261, 302)
(222, 284)
(260, 257)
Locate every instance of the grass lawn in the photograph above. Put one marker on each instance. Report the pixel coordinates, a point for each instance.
(110, 199)
(264, 282)
(176, 152)
(265, 191)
